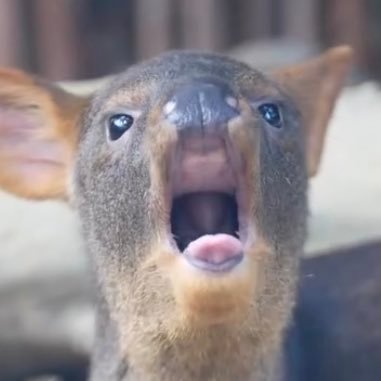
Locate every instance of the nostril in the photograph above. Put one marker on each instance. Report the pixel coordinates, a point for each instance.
(201, 106)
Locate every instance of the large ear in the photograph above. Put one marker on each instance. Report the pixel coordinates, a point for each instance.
(315, 86)
(38, 135)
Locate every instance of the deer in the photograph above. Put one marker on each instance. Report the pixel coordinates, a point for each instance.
(189, 173)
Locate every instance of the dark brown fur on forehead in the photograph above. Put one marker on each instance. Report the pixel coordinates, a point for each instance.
(171, 64)
(180, 64)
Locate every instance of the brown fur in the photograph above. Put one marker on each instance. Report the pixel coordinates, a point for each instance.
(157, 319)
(318, 112)
(50, 113)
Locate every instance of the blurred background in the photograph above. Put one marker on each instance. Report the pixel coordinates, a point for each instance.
(46, 313)
(78, 39)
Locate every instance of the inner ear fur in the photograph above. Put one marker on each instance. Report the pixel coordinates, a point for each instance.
(315, 87)
(38, 135)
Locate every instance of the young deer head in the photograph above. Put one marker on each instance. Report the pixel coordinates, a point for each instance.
(189, 172)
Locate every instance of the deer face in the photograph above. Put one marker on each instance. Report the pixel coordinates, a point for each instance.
(189, 172)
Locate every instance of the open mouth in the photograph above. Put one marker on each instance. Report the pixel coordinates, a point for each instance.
(205, 228)
(207, 219)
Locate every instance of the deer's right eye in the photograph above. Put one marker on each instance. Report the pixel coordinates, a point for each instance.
(118, 124)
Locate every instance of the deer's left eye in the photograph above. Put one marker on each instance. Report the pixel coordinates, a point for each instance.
(118, 124)
(270, 112)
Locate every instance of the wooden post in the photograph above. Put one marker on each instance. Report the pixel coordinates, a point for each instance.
(347, 24)
(56, 39)
(204, 24)
(10, 33)
(300, 20)
(256, 16)
(153, 27)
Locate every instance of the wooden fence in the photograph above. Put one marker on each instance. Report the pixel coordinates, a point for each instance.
(64, 39)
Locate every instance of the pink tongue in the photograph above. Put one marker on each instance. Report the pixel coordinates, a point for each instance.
(214, 249)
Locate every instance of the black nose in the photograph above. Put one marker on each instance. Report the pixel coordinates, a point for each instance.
(201, 106)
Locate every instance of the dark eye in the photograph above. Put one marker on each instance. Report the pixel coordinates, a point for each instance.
(118, 124)
(271, 114)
